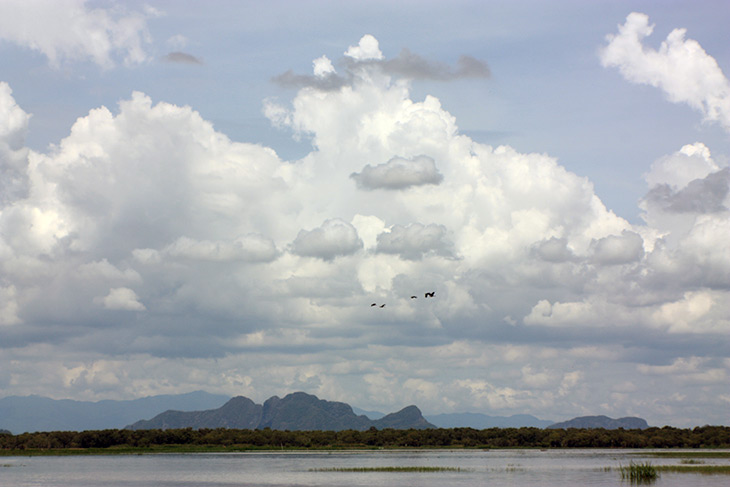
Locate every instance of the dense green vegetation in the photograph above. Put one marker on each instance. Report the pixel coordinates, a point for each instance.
(126, 441)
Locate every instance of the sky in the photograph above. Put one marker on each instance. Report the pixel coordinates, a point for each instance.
(212, 195)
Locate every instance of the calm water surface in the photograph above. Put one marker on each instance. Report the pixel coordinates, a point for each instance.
(489, 468)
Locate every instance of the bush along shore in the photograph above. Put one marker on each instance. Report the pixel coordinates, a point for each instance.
(222, 439)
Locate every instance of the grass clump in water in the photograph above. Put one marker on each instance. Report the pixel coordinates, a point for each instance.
(639, 472)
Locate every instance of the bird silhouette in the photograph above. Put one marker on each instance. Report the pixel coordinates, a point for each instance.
(382, 306)
(374, 304)
(429, 295)
(414, 297)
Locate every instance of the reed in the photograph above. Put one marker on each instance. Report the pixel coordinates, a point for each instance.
(639, 472)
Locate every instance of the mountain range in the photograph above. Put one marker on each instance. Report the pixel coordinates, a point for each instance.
(605, 422)
(295, 411)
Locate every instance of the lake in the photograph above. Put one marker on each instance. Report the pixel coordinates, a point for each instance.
(317, 468)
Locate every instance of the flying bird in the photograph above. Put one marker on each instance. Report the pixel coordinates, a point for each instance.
(382, 306)
(430, 295)
(414, 297)
(374, 304)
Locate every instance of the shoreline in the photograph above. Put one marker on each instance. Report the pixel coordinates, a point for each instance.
(188, 449)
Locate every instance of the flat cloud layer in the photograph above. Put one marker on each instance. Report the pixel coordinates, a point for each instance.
(167, 255)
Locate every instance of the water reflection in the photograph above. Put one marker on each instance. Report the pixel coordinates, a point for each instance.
(361, 468)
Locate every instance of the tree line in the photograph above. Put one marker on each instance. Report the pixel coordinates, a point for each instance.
(242, 439)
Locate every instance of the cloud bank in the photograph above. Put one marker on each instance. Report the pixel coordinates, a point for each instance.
(163, 252)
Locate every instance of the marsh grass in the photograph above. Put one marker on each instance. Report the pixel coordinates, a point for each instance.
(387, 469)
(691, 461)
(639, 472)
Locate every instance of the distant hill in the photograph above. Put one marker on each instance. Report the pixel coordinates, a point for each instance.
(20, 414)
(295, 412)
(482, 421)
(605, 422)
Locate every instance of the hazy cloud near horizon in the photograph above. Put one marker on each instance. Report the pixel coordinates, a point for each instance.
(148, 252)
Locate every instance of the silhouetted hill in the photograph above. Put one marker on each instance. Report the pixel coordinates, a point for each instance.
(239, 412)
(301, 411)
(295, 412)
(407, 418)
(602, 422)
(482, 421)
(21, 414)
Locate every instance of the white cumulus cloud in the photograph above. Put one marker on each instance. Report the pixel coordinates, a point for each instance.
(680, 67)
(368, 48)
(333, 238)
(618, 249)
(71, 30)
(415, 240)
(323, 67)
(122, 298)
(692, 161)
